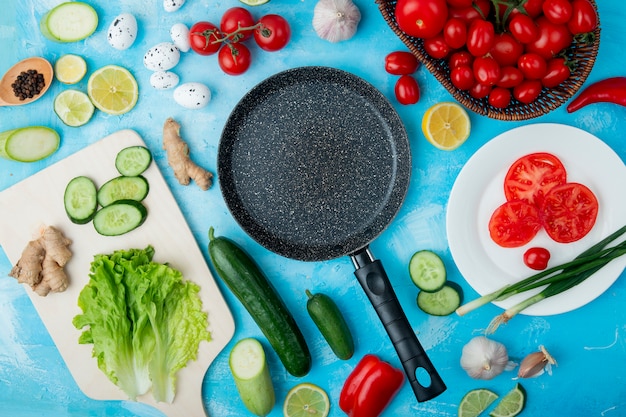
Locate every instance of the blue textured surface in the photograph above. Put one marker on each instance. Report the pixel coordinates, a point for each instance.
(589, 343)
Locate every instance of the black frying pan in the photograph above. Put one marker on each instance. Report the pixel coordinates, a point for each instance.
(314, 163)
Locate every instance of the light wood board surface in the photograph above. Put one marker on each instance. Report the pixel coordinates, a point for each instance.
(38, 201)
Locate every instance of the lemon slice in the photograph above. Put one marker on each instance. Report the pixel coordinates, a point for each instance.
(305, 400)
(70, 68)
(446, 125)
(73, 107)
(254, 2)
(476, 401)
(113, 89)
(511, 404)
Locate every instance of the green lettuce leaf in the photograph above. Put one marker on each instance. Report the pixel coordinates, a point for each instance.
(144, 320)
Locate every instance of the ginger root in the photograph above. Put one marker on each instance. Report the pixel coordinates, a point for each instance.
(42, 261)
(178, 158)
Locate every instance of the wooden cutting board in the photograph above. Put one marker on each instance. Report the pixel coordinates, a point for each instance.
(38, 200)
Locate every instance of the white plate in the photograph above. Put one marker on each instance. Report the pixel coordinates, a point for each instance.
(478, 190)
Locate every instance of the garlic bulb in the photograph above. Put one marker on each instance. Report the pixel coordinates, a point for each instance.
(336, 20)
(484, 358)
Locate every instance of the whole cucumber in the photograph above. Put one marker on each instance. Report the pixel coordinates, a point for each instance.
(248, 283)
(331, 323)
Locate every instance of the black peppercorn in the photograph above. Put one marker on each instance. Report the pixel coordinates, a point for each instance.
(28, 84)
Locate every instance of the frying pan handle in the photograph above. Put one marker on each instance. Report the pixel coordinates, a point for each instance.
(371, 274)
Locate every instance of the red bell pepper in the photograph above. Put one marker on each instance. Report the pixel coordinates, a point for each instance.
(370, 387)
(610, 90)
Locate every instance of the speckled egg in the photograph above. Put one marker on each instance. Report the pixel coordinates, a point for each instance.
(122, 31)
(162, 57)
(172, 5)
(162, 80)
(192, 95)
(180, 36)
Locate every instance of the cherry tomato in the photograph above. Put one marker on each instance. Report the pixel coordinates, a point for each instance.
(514, 224)
(531, 177)
(421, 19)
(455, 33)
(552, 39)
(459, 3)
(527, 91)
(556, 73)
(557, 11)
(235, 18)
(486, 70)
(480, 37)
(460, 58)
(510, 77)
(273, 32)
(407, 91)
(437, 47)
(500, 97)
(479, 10)
(533, 7)
(569, 212)
(523, 28)
(204, 38)
(506, 49)
(537, 258)
(234, 59)
(532, 65)
(479, 90)
(462, 77)
(401, 63)
(584, 17)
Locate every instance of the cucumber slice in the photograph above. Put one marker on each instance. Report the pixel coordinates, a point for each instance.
(442, 302)
(69, 22)
(80, 200)
(29, 144)
(252, 377)
(119, 217)
(427, 271)
(133, 161)
(123, 188)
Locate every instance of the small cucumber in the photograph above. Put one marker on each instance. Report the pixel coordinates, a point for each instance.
(427, 271)
(442, 302)
(123, 188)
(119, 217)
(252, 377)
(80, 200)
(133, 160)
(331, 323)
(252, 288)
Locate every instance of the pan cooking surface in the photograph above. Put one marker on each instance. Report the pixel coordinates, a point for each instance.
(314, 163)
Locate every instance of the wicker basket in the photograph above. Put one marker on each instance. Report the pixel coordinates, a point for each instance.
(583, 54)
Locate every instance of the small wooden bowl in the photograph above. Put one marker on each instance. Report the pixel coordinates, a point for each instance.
(41, 65)
(584, 54)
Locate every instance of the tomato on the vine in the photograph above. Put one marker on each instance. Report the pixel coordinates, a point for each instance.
(552, 39)
(514, 224)
(462, 77)
(273, 32)
(537, 258)
(437, 47)
(569, 212)
(421, 19)
(234, 58)
(506, 49)
(478, 10)
(205, 38)
(486, 70)
(480, 37)
(557, 11)
(455, 33)
(523, 28)
(532, 65)
(530, 177)
(407, 90)
(235, 19)
(584, 17)
(557, 72)
(401, 63)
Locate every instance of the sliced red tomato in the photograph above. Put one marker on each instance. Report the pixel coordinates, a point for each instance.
(514, 224)
(569, 212)
(532, 176)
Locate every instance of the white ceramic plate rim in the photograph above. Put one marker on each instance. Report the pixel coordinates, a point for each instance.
(478, 190)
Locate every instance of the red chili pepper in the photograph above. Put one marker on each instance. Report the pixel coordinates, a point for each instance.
(370, 387)
(610, 90)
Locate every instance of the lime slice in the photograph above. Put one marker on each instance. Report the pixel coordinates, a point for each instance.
(511, 404)
(73, 107)
(113, 89)
(70, 69)
(305, 400)
(446, 125)
(476, 401)
(254, 2)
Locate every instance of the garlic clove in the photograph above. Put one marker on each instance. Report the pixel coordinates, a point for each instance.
(536, 364)
(336, 20)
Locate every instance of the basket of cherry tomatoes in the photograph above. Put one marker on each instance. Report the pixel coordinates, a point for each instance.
(506, 59)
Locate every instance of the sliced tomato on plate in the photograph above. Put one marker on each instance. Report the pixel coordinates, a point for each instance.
(569, 212)
(514, 223)
(532, 176)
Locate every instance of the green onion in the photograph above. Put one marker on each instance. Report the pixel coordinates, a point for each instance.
(556, 279)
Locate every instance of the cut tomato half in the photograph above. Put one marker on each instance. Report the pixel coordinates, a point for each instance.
(569, 212)
(532, 176)
(514, 224)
